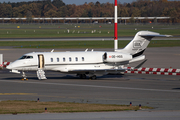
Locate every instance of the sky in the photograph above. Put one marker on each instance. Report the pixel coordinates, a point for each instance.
(80, 2)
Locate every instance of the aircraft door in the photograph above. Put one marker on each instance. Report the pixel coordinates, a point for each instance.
(41, 61)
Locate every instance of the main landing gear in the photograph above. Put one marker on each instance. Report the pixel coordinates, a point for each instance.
(24, 76)
(83, 76)
(93, 77)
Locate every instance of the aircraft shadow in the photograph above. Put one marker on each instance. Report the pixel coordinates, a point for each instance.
(70, 77)
(176, 88)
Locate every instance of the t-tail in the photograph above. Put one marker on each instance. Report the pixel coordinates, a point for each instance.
(138, 45)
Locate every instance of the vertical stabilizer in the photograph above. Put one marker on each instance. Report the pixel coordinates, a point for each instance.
(140, 42)
(115, 26)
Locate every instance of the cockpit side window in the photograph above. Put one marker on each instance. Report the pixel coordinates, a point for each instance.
(26, 57)
(23, 57)
(29, 57)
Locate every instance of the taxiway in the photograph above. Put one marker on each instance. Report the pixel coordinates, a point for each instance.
(158, 91)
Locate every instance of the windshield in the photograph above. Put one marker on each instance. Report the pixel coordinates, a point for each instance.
(26, 57)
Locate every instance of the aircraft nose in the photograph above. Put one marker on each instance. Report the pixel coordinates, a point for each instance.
(9, 67)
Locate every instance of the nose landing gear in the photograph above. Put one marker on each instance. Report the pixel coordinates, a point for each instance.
(24, 76)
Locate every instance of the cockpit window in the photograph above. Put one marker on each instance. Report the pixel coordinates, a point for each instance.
(23, 57)
(26, 57)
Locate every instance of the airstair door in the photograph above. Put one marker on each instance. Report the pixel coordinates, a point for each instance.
(41, 61)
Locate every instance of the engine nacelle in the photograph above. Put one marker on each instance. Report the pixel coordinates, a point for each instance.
(116, 57)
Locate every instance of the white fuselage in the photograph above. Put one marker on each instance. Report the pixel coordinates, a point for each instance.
(69, 61)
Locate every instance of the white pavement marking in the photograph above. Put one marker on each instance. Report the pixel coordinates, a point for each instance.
(94, 86)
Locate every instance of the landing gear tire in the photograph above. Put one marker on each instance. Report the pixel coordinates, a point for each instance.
(24, 79)
(93, 77)
(82, 76)
(24, 76)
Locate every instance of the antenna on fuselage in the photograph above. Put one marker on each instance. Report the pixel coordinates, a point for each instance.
(52, 50)
(115, 26)
(86, 50)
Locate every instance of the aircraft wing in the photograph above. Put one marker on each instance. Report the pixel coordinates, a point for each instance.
(100, 71)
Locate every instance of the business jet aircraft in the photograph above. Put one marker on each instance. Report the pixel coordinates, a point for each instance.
(86, 62)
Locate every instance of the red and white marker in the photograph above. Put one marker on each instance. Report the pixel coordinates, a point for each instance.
(156, 71)
(115, 26)
(5, 64)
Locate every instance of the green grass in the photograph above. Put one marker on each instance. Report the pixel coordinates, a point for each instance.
(84, 30)
(81, 30)
(83, 44)
(16, 107)
(57, 33)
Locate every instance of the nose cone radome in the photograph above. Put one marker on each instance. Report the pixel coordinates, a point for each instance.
(9, 67)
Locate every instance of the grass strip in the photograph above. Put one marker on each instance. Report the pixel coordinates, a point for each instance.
(89, 31)
(17, 106)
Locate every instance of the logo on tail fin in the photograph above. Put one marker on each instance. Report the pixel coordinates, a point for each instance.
(137, 44)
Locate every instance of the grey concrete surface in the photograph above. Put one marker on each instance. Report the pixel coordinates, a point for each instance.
(130, 115)
(158, 91)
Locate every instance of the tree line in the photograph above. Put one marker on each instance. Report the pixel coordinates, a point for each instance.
(57, 8)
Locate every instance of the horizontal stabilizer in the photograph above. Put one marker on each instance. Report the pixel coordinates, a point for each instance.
(155, 35)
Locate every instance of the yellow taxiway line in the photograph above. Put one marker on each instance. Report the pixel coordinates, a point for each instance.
(18, 93)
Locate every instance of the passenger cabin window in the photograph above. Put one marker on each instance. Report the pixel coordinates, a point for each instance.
(70, 59)
(82, 58)
(76, 59)
(51, 59)
(57, 59)
(64, 59)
